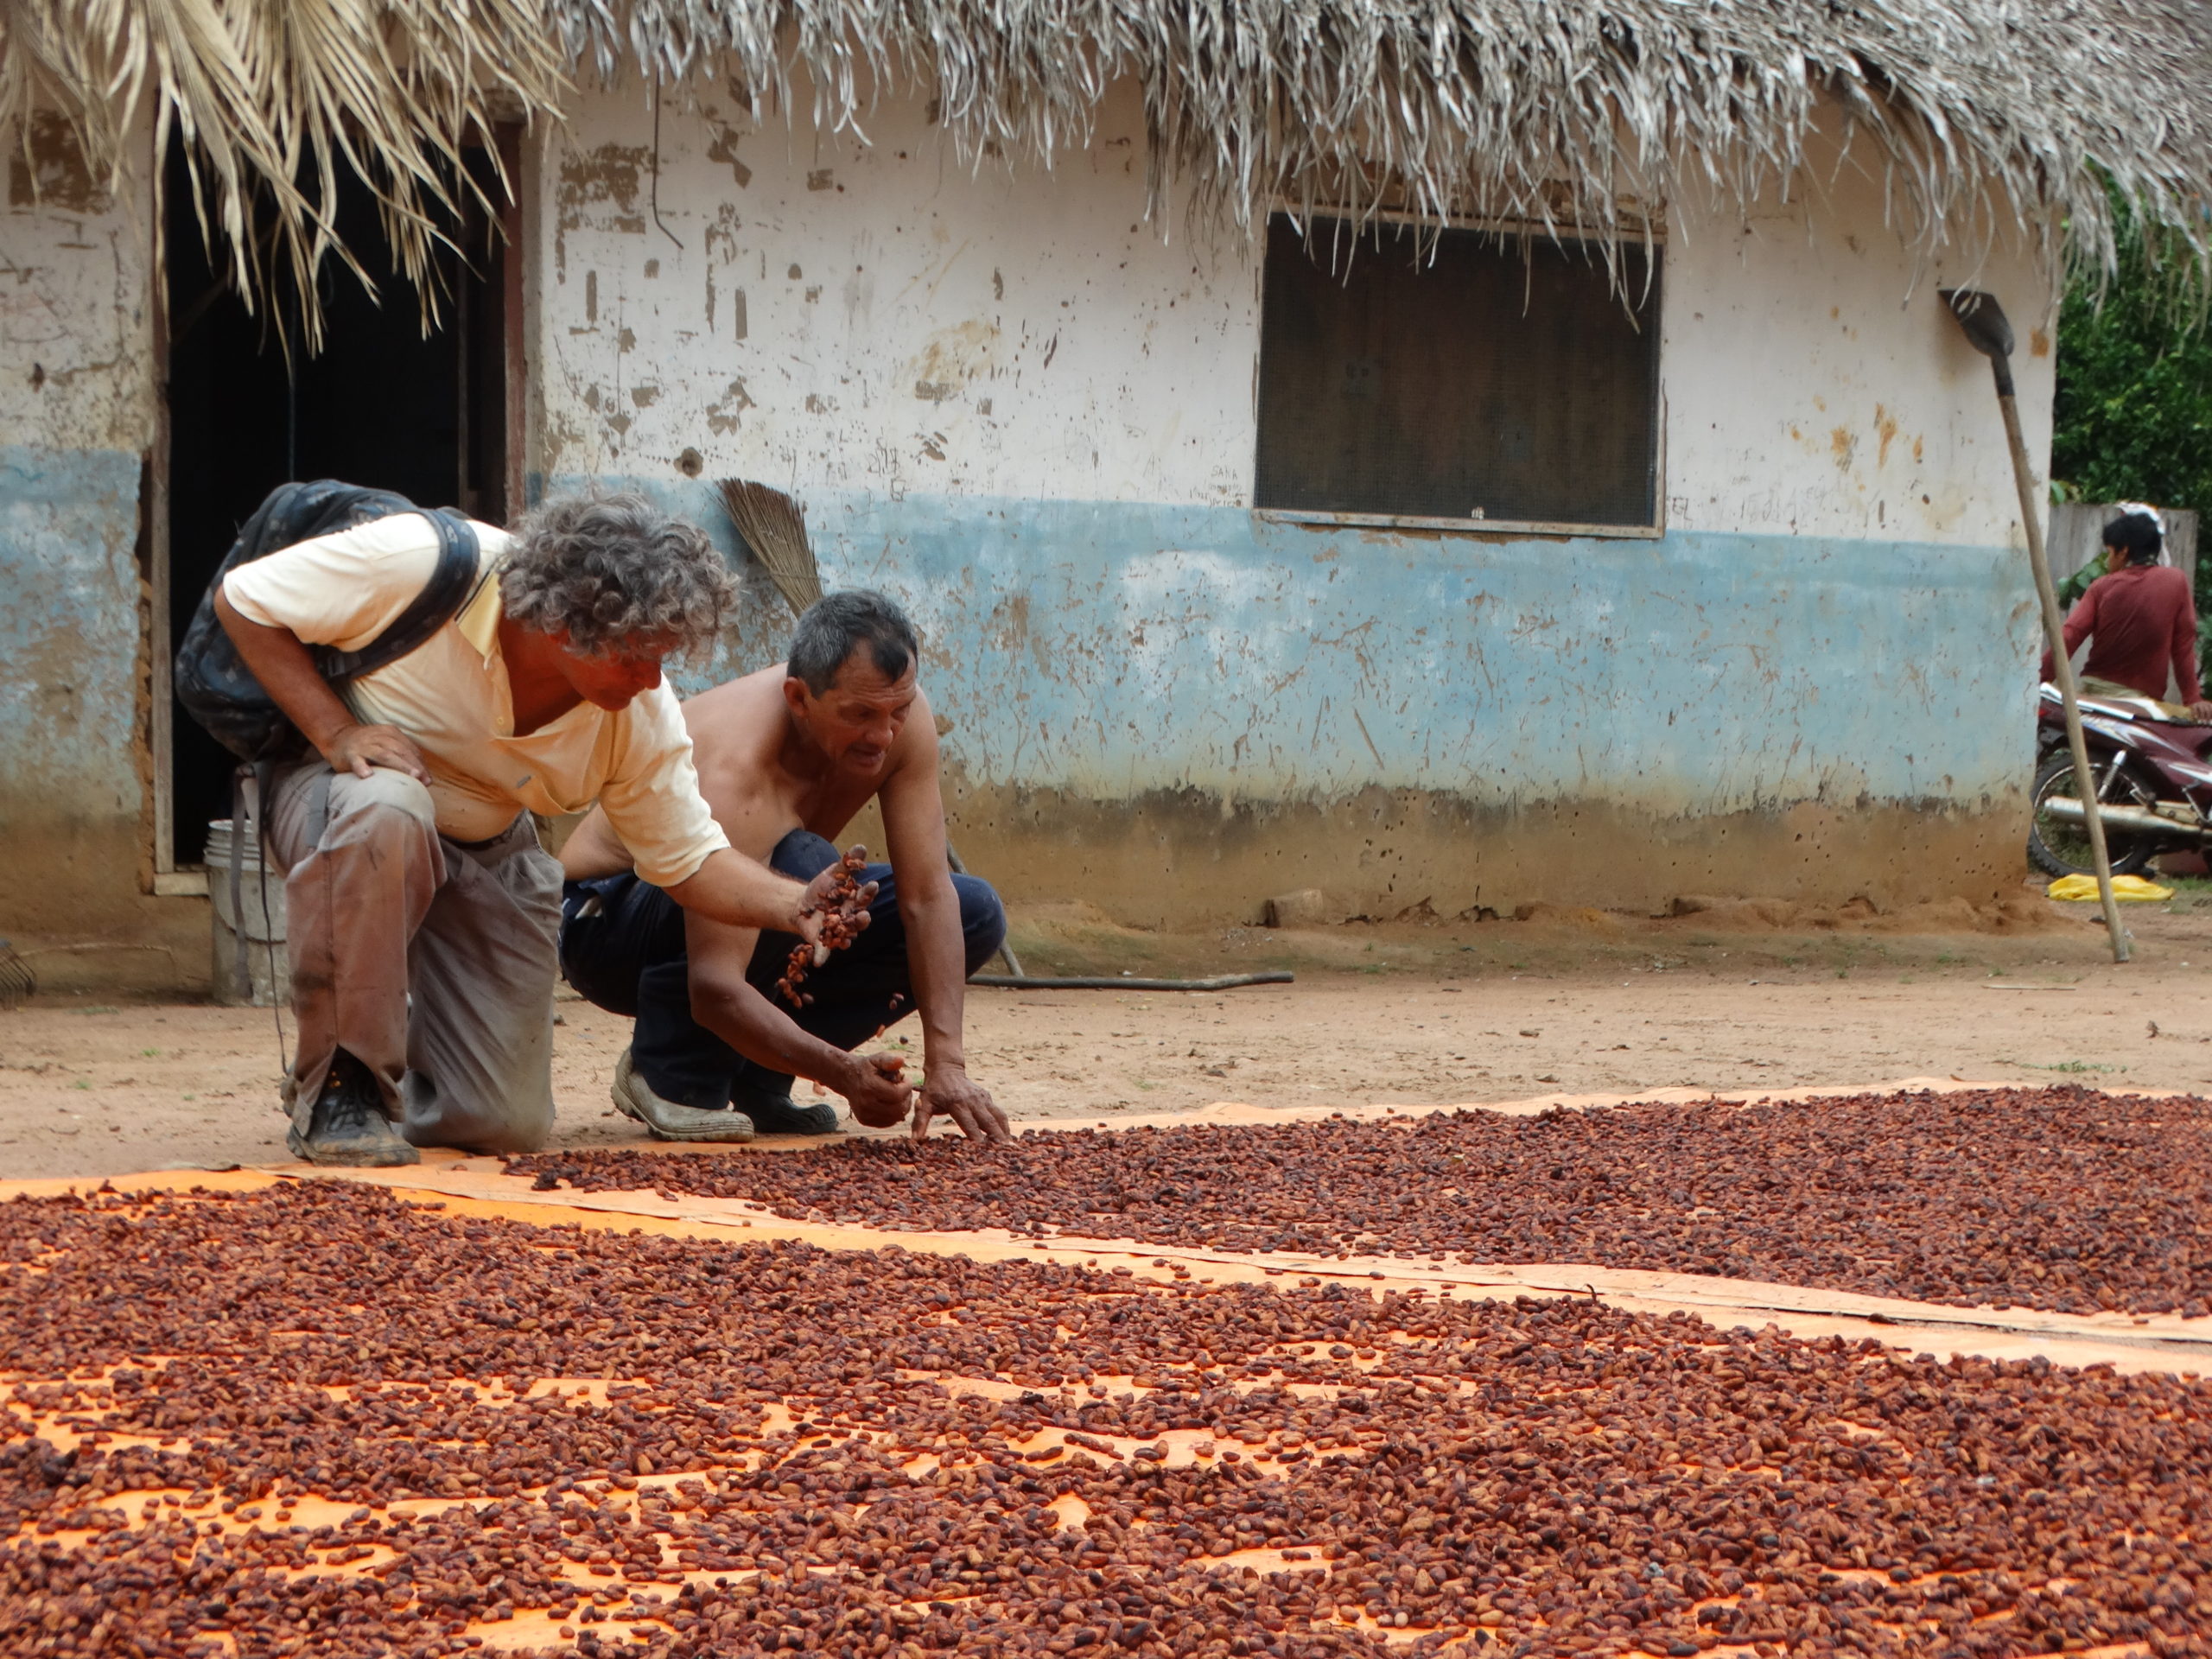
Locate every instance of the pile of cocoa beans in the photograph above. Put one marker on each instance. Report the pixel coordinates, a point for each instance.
(320, 1420)
(2065, 1199)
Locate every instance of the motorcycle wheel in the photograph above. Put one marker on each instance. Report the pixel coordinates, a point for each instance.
(2060, 849)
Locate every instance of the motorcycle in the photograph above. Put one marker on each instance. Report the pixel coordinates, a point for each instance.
(2149, 774)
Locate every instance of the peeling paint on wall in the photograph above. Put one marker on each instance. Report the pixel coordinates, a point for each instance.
(1007, 398)
(71, 797)
(49, 170)
(723, 146)
(75, 372)
(1119, 364)
(597, 189)
(76, 419)
(1125, 663)
(726, 413)
(898, 283)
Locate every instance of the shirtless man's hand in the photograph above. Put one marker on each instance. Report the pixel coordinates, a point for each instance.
(875, 1087)
(948, 1091)
(817, 905)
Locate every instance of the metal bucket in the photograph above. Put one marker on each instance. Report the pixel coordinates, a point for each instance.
(257, 915)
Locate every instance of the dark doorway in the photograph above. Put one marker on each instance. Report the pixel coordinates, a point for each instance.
(380, 404)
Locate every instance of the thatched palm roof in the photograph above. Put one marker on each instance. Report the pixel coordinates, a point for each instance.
(272, 96)
(2008, 117)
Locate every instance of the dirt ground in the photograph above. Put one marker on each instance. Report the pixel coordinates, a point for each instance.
(1566, 1002)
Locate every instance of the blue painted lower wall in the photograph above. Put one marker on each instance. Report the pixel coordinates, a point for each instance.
(1206, 701)
(1176, 711)
(72, 757)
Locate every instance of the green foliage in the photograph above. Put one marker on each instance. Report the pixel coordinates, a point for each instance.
(2078, 584)
(2133, 421)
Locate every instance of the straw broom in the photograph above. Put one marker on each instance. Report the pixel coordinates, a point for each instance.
(774, 531)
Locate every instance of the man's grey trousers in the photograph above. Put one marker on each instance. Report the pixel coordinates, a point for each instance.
(430, 961)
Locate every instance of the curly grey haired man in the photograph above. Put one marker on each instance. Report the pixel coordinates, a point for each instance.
(422, 911)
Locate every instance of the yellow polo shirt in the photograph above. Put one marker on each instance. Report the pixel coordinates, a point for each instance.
(451, 696)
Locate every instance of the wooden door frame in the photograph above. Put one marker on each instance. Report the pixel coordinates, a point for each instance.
(168, 882)
(163, 878)
(507, 136)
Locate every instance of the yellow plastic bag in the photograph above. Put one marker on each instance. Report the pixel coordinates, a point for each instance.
(2128, 889)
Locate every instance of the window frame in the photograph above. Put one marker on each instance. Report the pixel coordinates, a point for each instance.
(1650, 235)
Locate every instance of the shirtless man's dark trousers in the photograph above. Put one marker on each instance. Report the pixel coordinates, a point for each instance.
(622, 947)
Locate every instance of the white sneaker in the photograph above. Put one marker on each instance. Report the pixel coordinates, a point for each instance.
(666, 1121)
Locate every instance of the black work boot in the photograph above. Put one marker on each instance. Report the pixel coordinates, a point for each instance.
(781, 1115)
(347, 1126)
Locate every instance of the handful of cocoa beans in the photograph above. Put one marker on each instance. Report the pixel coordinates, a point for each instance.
(844, 906)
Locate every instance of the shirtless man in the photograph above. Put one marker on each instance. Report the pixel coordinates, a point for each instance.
(785, 758)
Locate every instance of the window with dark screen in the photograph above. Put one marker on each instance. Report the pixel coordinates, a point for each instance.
(1408, 372)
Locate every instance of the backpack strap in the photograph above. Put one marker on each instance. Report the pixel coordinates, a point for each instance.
(448, 589)
(239, 780)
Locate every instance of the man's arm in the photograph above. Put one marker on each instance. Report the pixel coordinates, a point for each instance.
(2081, 623)
(592, 849)
(728, 887)
(739, 892)
(653, 805)
(937, 951)
(726, 1003)
(281, 662)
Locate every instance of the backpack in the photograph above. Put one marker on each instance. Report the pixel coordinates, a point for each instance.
(214, 682)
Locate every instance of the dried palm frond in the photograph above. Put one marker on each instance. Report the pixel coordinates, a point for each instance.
(774, 529)
(1987, 118)
(272, 99)
(2041, 119)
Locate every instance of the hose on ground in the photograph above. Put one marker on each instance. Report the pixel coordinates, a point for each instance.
(1105, 982)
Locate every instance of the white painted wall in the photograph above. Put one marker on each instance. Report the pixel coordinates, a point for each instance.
(76, 363)
(872, 317)
(1817, 386)
(848, 315)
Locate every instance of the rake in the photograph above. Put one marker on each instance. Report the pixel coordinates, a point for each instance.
(1989, 331)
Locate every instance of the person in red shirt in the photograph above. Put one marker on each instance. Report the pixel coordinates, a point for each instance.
(2140, 620)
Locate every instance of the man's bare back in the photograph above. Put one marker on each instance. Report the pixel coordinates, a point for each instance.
(760, 778)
